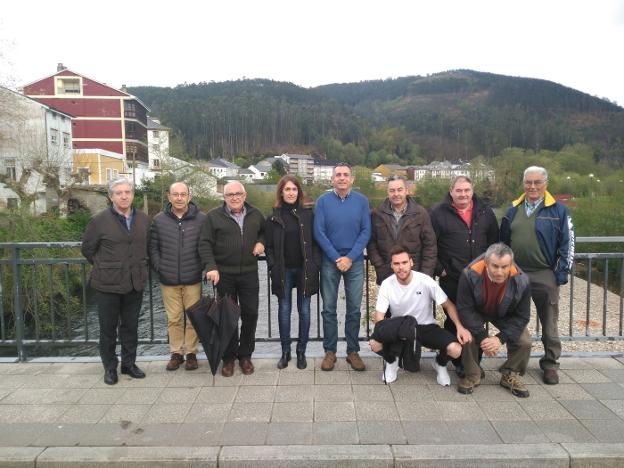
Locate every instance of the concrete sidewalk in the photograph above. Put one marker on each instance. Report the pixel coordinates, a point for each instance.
(62, 414)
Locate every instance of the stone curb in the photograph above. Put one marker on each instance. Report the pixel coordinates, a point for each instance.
(507, 455)
(597, 455)
(18, 457)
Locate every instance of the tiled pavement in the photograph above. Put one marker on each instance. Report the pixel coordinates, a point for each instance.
(68, 405)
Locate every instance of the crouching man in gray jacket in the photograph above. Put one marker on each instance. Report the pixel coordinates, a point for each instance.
(174, 256)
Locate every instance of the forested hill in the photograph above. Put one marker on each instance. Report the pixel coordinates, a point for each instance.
(449, 115)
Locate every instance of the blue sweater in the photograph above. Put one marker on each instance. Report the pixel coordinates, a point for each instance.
(342, 227)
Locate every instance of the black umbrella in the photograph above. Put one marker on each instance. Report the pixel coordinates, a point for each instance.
(215, 320)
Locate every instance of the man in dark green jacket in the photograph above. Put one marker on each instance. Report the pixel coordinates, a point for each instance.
(115, 243)
(231, 239)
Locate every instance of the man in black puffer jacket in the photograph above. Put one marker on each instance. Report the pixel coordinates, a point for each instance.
(175, 257)
(465, 227)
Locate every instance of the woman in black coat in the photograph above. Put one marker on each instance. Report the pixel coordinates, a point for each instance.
(293, 259)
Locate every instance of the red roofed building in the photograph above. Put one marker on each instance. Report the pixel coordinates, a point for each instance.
(103, 117)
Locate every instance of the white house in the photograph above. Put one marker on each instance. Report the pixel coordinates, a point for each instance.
(221, 168)
(323, 170)
(35, 145)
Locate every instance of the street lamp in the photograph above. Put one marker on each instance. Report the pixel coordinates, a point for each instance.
(591, 191)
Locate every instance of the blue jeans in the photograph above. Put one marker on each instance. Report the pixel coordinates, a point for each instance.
(353, 284)
(293, 277)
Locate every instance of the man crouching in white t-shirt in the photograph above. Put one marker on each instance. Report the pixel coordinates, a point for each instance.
(409, 292)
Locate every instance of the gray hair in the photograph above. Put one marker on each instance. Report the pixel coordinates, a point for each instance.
(458, 178)
(500, 250)
(397, 177)
(115, 182)
(538, 169)
(225, 187)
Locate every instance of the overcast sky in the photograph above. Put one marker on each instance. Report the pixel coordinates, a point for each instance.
(576, 43)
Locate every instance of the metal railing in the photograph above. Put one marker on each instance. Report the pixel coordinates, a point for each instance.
(47, 302)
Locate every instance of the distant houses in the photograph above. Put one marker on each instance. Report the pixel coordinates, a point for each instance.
(435, 170)
(68, 130)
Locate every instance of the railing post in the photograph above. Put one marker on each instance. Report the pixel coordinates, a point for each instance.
(17, 303)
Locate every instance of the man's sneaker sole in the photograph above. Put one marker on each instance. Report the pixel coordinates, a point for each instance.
(467, 390)
(515, 392)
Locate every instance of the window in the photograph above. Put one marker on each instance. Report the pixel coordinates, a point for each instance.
(130, 130)
(155, 133)
(12, 203)
(130, 109)
(156, 162)
(83, 175)
(109, 174)
(11, 173)
(68, 86)
(54, 136)
(115, 173)
(65, 140)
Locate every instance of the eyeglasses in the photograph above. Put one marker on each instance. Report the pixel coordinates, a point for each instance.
(234, 195)
(179, 195)
(535, 183)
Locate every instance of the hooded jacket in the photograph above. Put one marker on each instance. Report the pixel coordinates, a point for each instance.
(311, 252)
(513, 312)
(459, 244)
(415, 233)
(173, 246)
(554, 230)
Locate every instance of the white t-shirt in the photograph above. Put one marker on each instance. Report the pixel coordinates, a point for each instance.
(412, 299)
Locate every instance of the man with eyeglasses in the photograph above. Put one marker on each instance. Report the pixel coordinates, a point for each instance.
(231, 239)
(540, 232)
(342, 229)
(174, 256)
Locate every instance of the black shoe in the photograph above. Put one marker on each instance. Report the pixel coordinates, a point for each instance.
(301, 361)
(110, 376)
(133, 371)
(283, 362)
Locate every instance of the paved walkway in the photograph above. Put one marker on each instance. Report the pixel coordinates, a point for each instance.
(62, 414)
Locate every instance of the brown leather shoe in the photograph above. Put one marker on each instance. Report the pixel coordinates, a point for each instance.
(328, 361)
(356, 362)
(228, 369)
(175, 362)
(191, 362)
(551, 377)
(246, 365)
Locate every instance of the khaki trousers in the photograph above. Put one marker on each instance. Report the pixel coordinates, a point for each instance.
(176, 299)
(518, 355)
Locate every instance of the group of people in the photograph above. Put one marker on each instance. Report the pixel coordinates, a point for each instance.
(486, 274)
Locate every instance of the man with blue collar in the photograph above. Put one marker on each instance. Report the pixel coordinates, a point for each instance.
(115, 243)
(540, 232)
(342, 229)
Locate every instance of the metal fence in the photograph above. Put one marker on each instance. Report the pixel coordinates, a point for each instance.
(45, 299)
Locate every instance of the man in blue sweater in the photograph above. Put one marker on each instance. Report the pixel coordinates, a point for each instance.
(342, 229)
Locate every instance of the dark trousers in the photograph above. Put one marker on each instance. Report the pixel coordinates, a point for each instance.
(118, 311)
(244, 289)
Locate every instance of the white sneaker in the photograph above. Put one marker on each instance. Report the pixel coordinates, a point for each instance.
(392, 369)
(443, 377)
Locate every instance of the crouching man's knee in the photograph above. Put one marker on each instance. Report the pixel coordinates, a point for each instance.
(453, 350)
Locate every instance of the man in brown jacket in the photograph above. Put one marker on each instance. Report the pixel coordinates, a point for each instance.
(400, 220)
(115, 243)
